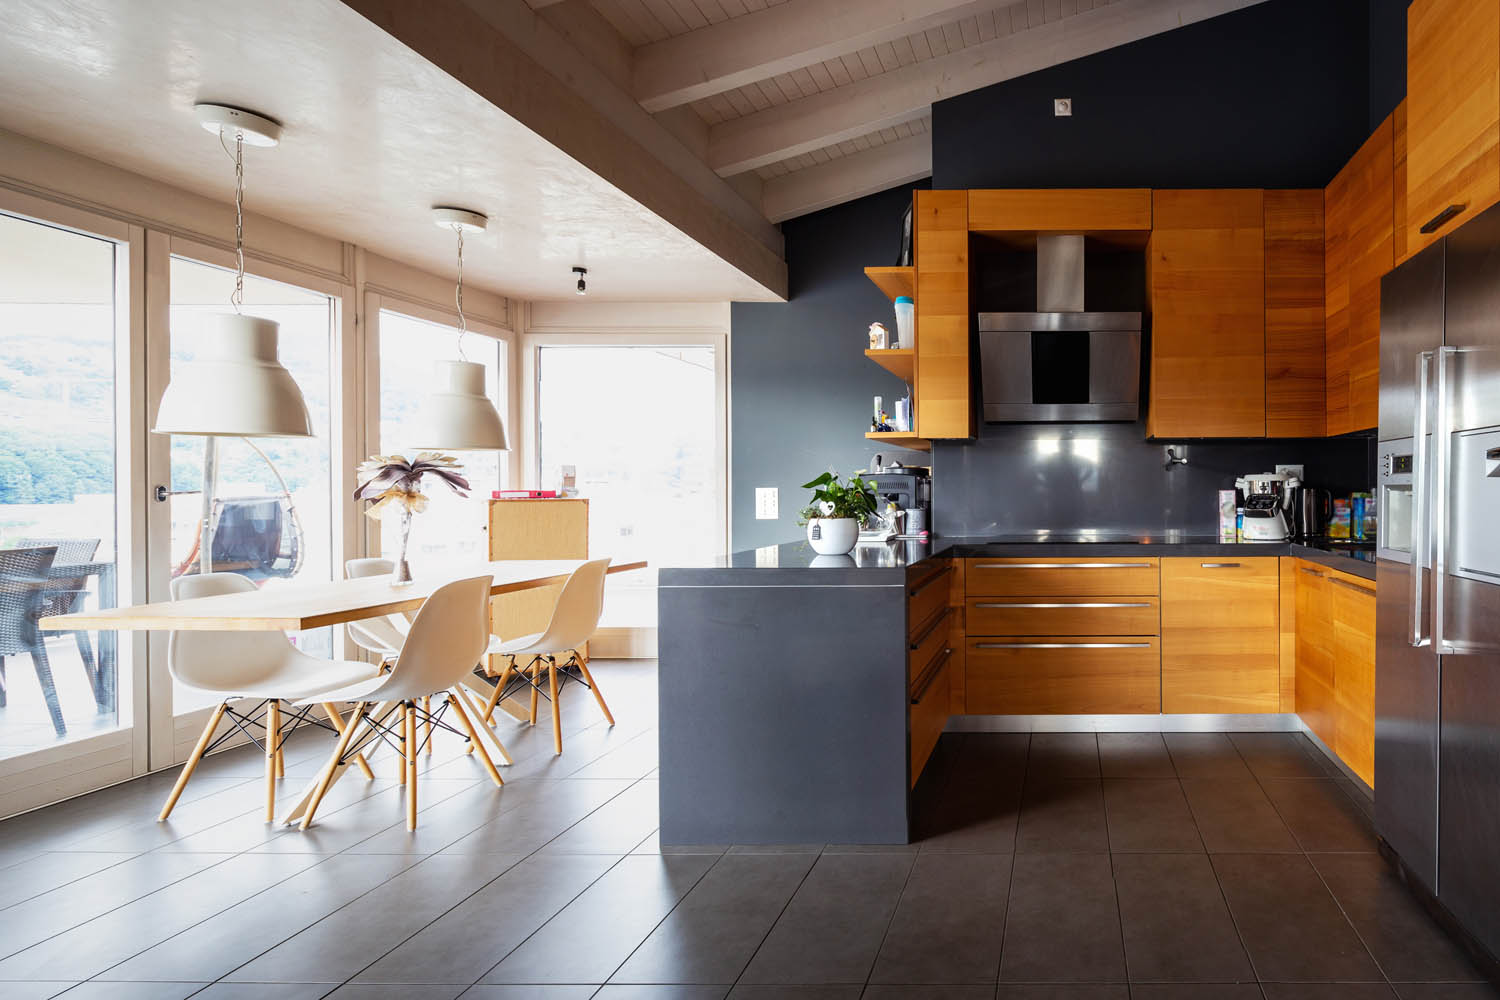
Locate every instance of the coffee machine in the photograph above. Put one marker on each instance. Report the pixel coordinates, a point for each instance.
(909, 487)
(1265, 501)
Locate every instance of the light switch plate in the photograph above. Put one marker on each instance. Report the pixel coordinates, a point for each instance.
(767, 506)
(1062, 107)
(1289, 470)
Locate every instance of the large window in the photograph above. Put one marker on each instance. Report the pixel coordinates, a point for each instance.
(58, 509)
(640, 427)
(272, 509)
(451, 529)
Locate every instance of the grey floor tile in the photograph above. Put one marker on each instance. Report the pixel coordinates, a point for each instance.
(717, 927)
(131, 991)
(893, 992)
(370, 991)
(752, 991)
(1194, 991)
(53, 912)
(832, 928)
(1205, 755)
(533, 992)
(263, 991)
(660, 991)
(36, 991)
(1134, 755)
(91, 948)
(974, 815)
(615, 827)
(466, 941)
(1174, 921)
(634, 760)
(1234, 815)
(344, 828)
(1062, 755)
(1063, 922)
(1446, 991)
(949, 923)
(339, 946)
(653, 845)
(1327, 991)
(53, 870)
(1062, 816)
(442, 824)
(521, 831)
(1320, 815)
(778, 849)
(1060, 991)
(1149, 814)
(594, 934)
(217, 946)
(1277, 755)
(1290, 925)
(1405, 941)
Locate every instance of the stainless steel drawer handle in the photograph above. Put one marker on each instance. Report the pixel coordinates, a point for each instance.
(1352, 586)
(1099, 565)
(1062, 645)
(1110, 604)
(1220, 565)
(1311, 572)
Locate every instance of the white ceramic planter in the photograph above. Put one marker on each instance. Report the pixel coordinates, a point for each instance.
(832, 536)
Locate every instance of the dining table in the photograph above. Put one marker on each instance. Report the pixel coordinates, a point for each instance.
(298, 606)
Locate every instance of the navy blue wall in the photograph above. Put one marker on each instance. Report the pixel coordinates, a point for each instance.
(1276, 95)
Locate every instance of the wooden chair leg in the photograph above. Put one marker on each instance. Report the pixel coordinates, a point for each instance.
(280, 766)
(484, 758)
(489, 707)
(556, 708)
(588, 679)
(471, 704)
(410, 740)
(427, 722)
(332, 711)
(273, 728)
(326, 778)
(192, 761)
(536, 674)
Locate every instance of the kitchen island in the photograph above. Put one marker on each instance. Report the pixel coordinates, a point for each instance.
(802, 695)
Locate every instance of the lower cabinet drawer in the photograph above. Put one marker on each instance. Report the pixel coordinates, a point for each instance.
(1019, 675)
(929, 712)
(1061, 576)
(926, 597)
(928, 644)
(1063, 616)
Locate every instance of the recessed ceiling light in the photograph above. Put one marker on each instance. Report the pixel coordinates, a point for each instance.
(231, 122)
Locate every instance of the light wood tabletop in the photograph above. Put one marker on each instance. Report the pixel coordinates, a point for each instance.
(300, 606)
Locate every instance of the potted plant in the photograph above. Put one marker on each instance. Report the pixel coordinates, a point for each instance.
(393, 485)
(836, 512)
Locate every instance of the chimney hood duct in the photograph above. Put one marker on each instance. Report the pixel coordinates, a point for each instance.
(1060, 363)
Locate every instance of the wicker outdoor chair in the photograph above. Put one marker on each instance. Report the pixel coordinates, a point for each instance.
(24, 587)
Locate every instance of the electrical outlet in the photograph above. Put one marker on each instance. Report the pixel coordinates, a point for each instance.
(1289, 470)
(766, 503)
(1062, 107)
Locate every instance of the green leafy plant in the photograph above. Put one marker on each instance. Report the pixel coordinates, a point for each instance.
(834, 499)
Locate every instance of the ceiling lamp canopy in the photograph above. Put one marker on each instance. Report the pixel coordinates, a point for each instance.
(236, 386)
(457, 415)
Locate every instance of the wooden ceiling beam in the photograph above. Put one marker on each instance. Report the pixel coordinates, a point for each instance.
(904, 161)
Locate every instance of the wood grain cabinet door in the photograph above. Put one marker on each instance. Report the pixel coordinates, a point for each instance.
(1371, 255)
(1452, 115)
(1206, 276)
(1314, 682)
(944, 410)
(1220, 635)
(1294, 314)
(1354, 674)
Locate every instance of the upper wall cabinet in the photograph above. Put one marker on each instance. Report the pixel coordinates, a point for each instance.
(1061, 210)
(1294, 314)
(1206, 277)
(1360, 211)
(1452, 115)
(942, 389)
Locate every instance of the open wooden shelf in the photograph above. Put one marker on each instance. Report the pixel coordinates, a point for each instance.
(900, 439)
(899, 361)
(894, 281)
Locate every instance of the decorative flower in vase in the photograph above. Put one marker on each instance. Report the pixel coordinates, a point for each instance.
(393, 486)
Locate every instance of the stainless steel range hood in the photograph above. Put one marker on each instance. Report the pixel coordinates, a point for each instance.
(1060, 363)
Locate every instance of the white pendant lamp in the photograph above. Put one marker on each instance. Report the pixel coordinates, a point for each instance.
(458, 415)
(236, 385)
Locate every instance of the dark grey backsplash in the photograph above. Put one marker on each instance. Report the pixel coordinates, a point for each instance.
(1020, 478)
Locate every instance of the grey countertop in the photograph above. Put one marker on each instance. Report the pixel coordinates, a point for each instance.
(795, 563)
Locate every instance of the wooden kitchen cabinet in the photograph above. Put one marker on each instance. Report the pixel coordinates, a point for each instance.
(1051, 675)
(929, 658)
(1295, 396)
(1353, 604)
(1205, 266)
(1314, 681)
(1220, 634)
(940, 221)
(556, 528)
(1060, 210)
(1452, 115)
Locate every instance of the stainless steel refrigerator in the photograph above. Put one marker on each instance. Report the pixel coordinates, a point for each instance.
(1437, 670)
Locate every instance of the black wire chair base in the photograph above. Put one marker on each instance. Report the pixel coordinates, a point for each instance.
(388, 731)
(252, 725)
(521, 679)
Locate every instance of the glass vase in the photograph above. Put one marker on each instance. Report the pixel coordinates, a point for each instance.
(401, 574)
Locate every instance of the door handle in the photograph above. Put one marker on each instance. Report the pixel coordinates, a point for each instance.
(929, 581)
(1352, 586)
(1101, 565)
(930, 676)
(1220, 565)
(1420, 541)
(1311, 572)
(1079, 604)
(1436, 222)
(1441, 441)
(917, 642)
(1062, 645)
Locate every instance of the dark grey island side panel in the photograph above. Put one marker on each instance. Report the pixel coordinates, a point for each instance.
(783, 706)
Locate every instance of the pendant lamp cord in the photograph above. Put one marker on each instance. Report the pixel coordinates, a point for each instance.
(458, 294)
(237, 297)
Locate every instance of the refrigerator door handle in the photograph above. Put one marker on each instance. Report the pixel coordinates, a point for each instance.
(1442, 444)
(1420, 545)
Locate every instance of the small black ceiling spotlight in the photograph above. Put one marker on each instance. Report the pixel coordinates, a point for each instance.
(582, 272)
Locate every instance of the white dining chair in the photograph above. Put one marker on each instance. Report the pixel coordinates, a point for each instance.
(383, 635)
(262, 666)
(447, 638)
(575, 619)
